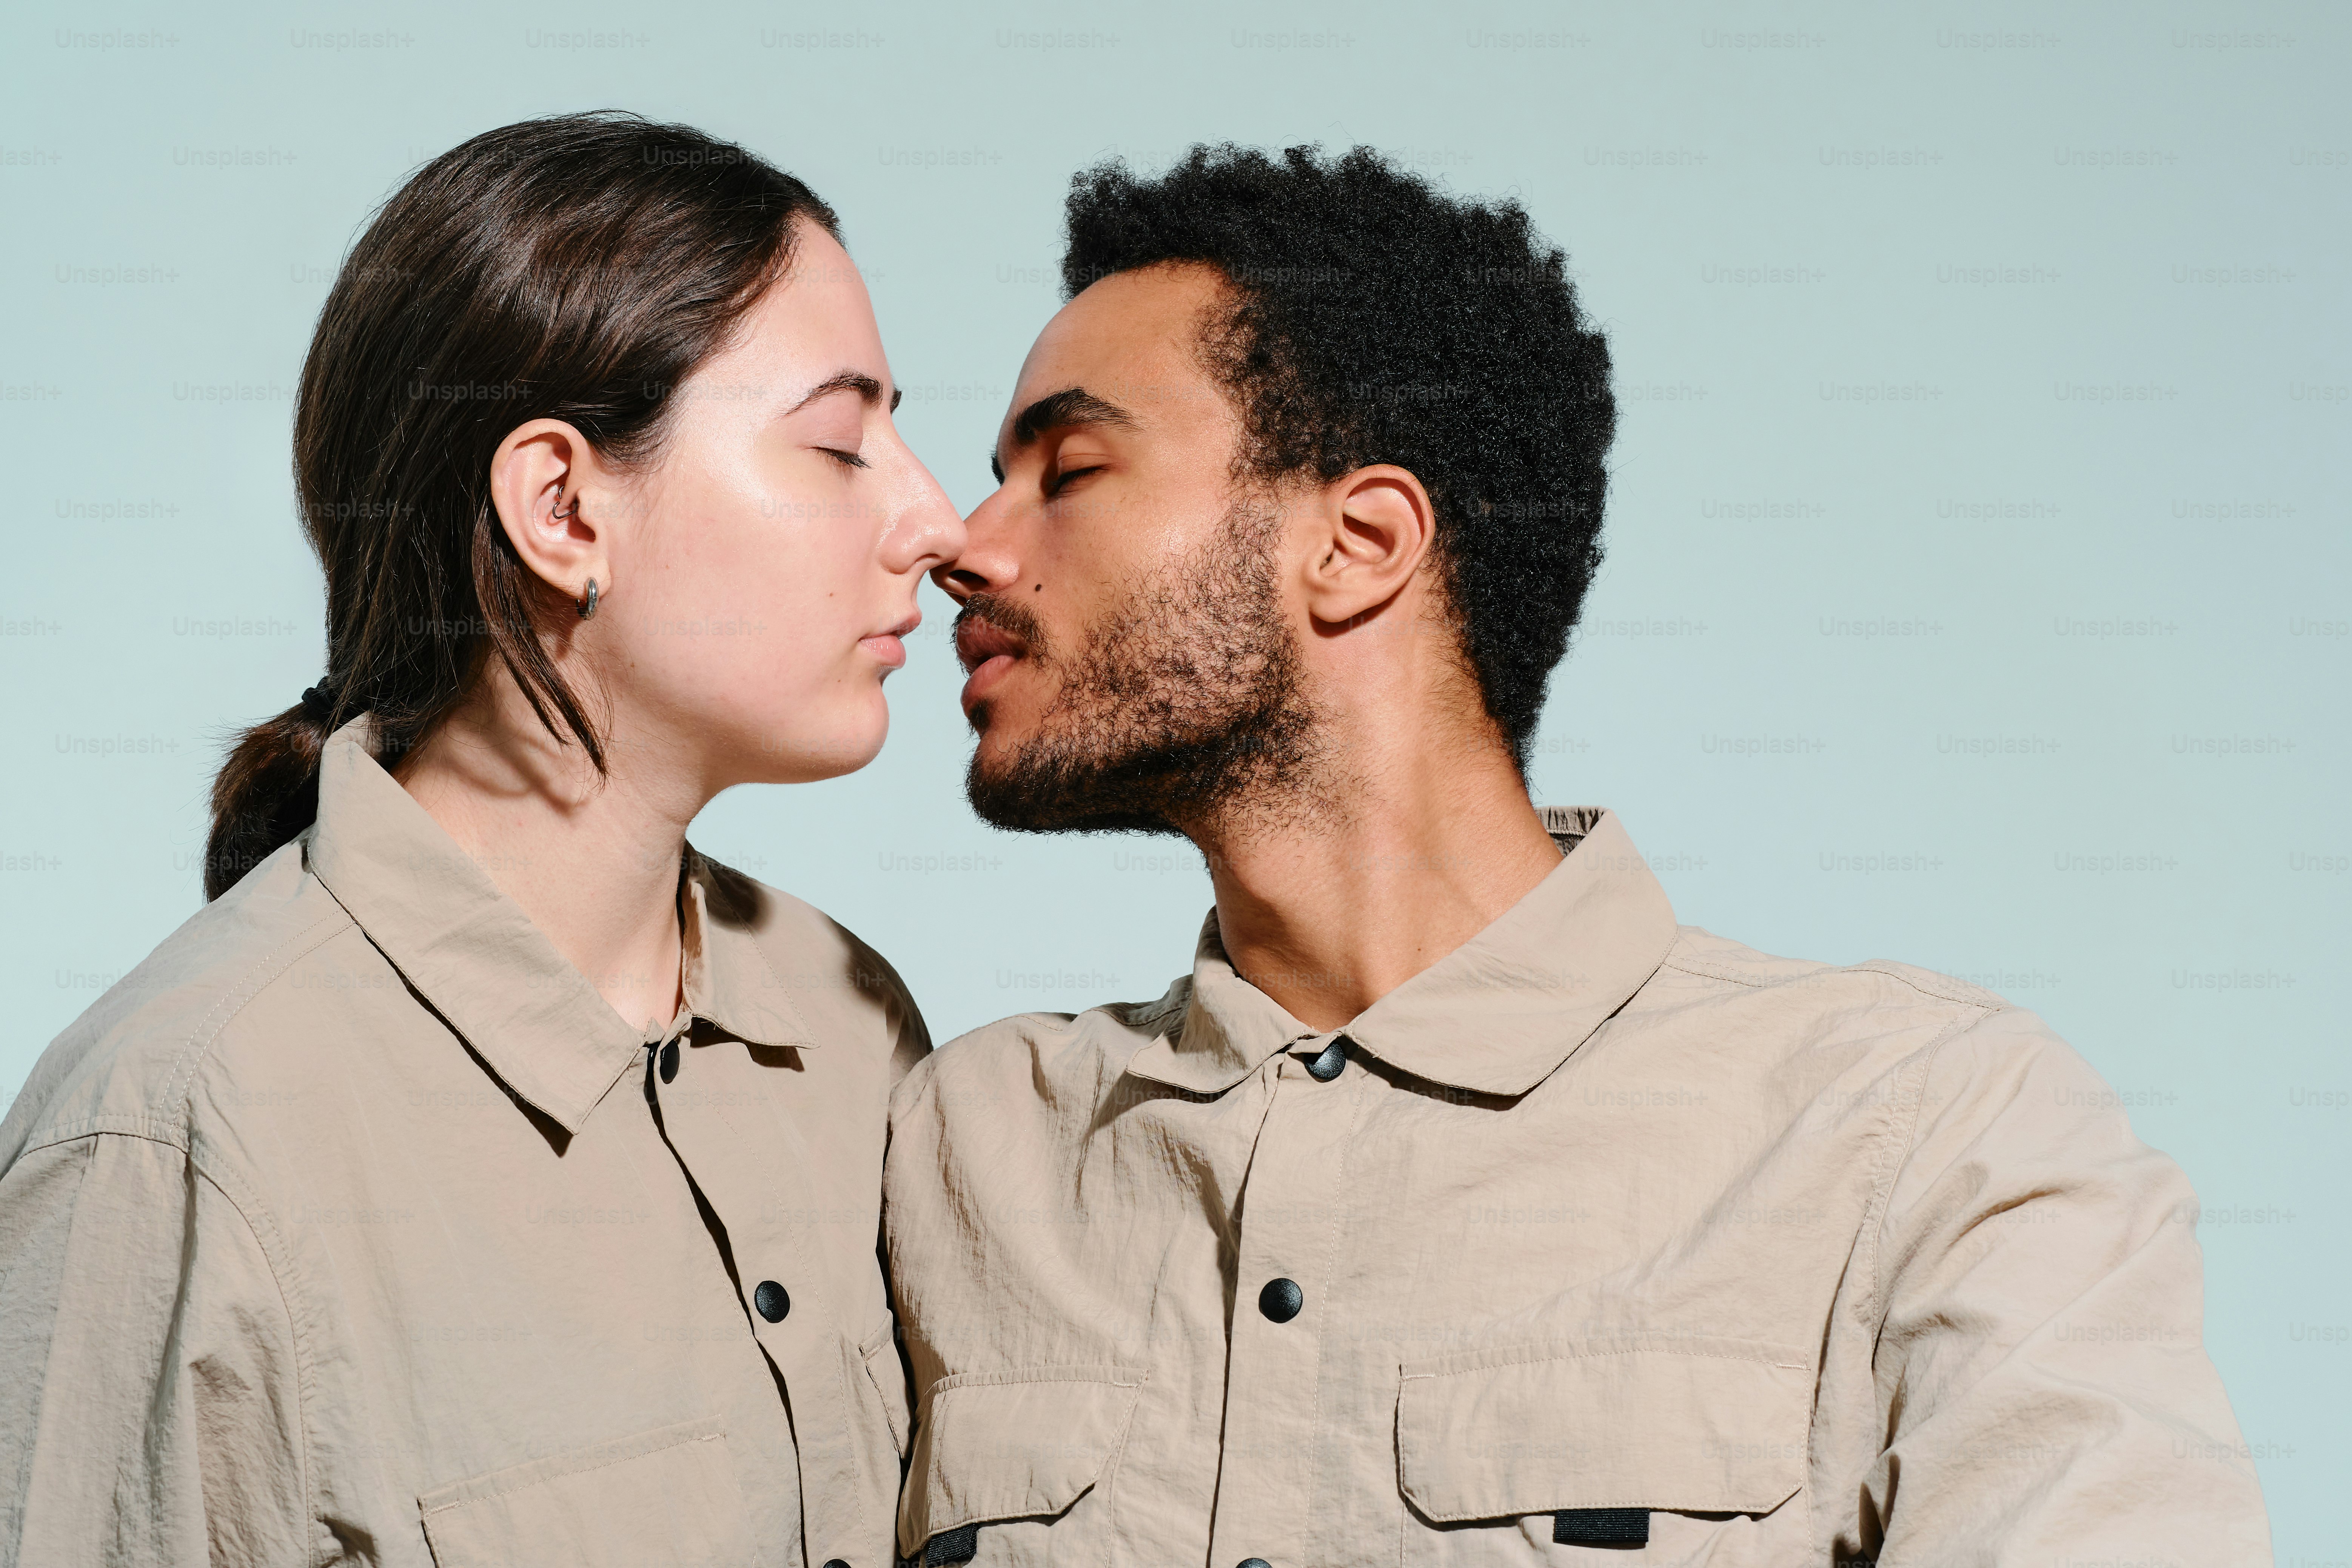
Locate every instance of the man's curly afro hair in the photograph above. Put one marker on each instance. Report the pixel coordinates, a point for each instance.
(1378, 320)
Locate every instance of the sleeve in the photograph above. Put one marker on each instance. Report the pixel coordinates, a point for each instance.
(149, 1407)
(2040, 1365)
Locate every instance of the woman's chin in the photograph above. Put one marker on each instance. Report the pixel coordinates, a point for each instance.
(807, 757)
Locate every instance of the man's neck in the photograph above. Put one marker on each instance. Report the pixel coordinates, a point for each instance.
(592, 861)
(1326, 913)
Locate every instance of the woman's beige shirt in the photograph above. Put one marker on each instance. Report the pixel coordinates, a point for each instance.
(356, 1225)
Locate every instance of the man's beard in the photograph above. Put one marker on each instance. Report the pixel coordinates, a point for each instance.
(1183, 710)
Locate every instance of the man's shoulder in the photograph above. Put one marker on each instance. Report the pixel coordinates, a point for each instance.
(1804, 1001)
(1701, 955)
(129, 1063)
(1877, 1016)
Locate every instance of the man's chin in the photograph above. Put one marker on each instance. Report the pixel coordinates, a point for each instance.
(1020, 795)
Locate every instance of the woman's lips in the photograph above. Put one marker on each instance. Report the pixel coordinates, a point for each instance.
(989, 672)
(890, 646)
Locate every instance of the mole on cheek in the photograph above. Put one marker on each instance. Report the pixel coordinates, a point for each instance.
(1039, 589)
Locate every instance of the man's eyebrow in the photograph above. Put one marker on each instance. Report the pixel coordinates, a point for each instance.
(1071, 406)
(868, 390)
(1057, 411)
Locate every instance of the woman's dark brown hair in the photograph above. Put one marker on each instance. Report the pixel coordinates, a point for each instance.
(576, 267)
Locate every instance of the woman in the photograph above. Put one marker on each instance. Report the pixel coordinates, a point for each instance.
(484, 1177)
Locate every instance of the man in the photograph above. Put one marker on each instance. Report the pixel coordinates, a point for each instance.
(1459, 1207)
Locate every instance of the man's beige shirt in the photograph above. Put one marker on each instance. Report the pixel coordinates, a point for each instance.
(1812, 1265)
(354, 1225)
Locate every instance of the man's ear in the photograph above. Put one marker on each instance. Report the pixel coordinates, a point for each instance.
(550, 492)
(1374, 528)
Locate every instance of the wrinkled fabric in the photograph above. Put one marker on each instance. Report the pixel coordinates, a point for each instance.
(354, 1225)
(1799, 1264)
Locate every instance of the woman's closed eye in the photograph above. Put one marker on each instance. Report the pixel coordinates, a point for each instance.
(846, 459)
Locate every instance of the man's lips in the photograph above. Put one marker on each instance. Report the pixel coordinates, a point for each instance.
(992, 671)
(988, 653)
(979, 641)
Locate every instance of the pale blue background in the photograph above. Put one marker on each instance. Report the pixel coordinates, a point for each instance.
(2008, 214)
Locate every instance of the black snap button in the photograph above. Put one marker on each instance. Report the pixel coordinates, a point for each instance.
(1281, 1299)
(1330, 1064)
(770, 1299)
(669, 1061)
(1255, 1562)
(834, 1562)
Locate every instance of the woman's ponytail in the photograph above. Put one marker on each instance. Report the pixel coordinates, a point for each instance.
(266, 793)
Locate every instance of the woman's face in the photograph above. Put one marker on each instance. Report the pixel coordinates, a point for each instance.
(764, 571)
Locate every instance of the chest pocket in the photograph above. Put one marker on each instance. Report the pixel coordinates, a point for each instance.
(662, 1499)
(1525, 1454)
(1020, 1444)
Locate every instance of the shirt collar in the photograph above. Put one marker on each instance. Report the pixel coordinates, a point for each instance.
(493, 975)
(729, 979)
(1496, 1015)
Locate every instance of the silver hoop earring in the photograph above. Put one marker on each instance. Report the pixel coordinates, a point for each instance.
(558, 514)
(588, 600)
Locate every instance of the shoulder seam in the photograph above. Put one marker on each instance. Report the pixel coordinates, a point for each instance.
(1705, 974)
(1987, 1002)
(1898, 1155)
(258, 979)
(274, 1253)
(265, 1234)
(153, 1129)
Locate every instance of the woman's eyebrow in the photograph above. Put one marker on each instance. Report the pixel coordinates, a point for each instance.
(868, 390)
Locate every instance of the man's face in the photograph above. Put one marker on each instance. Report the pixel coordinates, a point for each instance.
(1131, 653)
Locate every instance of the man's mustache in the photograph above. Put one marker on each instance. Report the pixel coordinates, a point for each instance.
(1005, 614)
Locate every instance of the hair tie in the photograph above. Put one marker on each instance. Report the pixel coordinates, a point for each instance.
(319, 701)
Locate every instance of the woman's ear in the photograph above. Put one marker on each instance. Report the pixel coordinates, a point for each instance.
(1375, 526)
(549, 489)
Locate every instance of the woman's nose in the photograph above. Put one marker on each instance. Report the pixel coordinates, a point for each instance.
(928, 533)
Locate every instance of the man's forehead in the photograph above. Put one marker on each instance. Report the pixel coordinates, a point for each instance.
(1131, 338)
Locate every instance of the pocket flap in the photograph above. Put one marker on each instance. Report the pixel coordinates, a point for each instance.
(1696, 1426)
(666, 1497)
(1012, 1444)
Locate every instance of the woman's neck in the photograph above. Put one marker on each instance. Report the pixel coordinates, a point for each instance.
(593, 860)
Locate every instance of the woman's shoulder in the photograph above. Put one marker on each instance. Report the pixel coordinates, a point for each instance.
(128, 1063)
